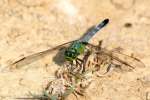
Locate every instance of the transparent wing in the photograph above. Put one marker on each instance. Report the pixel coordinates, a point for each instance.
(117, 58)
(31, 58)
(124, 62)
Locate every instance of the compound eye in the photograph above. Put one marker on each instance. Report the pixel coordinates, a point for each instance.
(72, 53)
(67, 53)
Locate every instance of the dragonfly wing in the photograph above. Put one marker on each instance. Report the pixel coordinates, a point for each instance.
(125, 62)
(117, 58)
(31, 58)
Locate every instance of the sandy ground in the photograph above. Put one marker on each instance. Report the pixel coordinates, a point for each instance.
(30, 26)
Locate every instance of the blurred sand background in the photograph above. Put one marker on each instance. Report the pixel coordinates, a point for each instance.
(30, 26)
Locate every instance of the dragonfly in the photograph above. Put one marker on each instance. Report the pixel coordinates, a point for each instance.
(75, 49)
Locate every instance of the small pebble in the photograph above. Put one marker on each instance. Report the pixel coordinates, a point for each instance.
(128, 25)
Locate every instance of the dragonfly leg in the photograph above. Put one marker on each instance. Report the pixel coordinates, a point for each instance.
(109, 68)
(80, 63)
(85, 59)
(100, 43)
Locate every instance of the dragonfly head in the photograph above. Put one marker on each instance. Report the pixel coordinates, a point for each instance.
(74, 50)
(70, 54)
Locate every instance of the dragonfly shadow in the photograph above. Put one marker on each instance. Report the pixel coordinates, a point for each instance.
(59, 58)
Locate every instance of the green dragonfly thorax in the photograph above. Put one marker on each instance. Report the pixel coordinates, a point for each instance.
(75, 49)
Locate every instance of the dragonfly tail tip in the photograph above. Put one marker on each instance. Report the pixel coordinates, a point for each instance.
(106, 20)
